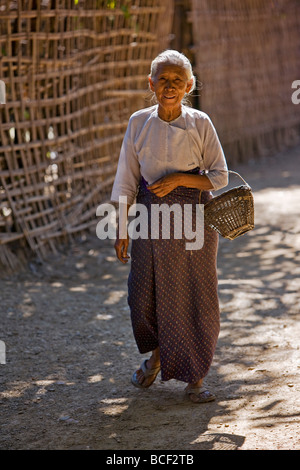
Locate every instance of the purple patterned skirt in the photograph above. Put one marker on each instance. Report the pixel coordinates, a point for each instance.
(173, 294)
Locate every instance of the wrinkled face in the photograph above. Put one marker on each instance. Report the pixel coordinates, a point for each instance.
(170, 84)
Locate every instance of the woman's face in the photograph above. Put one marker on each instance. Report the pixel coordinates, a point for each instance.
(170, 84)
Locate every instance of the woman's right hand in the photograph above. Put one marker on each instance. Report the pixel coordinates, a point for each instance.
(121, 247)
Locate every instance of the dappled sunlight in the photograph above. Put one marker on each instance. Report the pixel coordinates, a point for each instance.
(57, 284)
(95, 378)
(32, 389)
(78, 289)
(279, 202)
(257, 357)
(114, 406)
(114, 297)
(103, 316)
(71, 353)
(15, 390)
(219, 441)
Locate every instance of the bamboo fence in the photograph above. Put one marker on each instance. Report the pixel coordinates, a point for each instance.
(247, 56)
(74, 71)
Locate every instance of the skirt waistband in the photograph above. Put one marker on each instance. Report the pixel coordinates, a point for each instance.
(191, 194)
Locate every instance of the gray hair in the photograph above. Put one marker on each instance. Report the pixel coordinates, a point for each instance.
(173, 57)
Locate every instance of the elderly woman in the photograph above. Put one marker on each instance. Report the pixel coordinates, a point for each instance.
(171, 154)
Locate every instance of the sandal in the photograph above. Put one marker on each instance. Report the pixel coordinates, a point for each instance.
(147, 373)
(203, 395)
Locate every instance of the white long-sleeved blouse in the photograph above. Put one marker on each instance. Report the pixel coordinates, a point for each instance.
(153, 148)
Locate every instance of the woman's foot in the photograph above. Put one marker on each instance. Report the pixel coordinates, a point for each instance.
(147, 373)
(199, 394)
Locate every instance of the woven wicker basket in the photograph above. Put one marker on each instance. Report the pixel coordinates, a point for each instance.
(231, 214)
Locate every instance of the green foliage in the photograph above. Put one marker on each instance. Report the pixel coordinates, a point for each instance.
(125, 10)
(111, 4)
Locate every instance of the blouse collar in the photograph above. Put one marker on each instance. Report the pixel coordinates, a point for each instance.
(179, 120)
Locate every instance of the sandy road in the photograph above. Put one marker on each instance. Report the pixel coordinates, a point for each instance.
(70, 352)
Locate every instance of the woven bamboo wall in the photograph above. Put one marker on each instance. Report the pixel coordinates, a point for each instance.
(247, 56)
(74, 71)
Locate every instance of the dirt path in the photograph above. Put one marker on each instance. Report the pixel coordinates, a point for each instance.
(70, 352)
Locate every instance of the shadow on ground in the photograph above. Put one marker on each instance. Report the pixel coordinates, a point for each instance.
(70, 352)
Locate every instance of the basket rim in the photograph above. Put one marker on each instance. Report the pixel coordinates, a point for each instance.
(235, 189)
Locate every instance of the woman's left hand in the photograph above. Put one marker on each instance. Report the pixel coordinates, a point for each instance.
(165, 185)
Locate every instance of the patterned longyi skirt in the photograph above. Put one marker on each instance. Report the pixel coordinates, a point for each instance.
(173, 293)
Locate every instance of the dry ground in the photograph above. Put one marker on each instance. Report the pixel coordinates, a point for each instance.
(70, 352)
